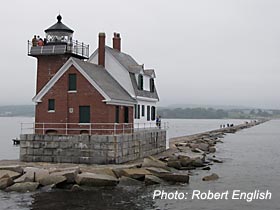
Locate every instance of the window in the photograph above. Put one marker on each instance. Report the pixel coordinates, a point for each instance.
(152, 85)
(84, 114)
(117, 114)
(143, 110)
(148, 113)
(153, 113)
(138, 112)
(135, 111)
(51, 105)
(126, 115)
(140, 82)
(72, 82)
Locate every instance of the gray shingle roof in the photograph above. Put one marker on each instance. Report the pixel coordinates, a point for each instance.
(126, 60)
(105, 81)
(133, 68)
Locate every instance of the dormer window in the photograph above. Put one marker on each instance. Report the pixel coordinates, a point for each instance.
(140, 82)
(152, 85)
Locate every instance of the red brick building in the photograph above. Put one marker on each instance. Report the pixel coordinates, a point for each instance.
(107, 92)
(74, 96)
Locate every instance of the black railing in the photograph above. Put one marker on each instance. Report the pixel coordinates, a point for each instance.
(74, 47)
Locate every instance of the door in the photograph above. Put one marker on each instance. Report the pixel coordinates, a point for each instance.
(84, 114)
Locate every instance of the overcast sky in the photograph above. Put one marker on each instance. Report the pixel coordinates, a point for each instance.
(219, 52)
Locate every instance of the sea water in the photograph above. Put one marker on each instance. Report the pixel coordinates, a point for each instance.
(251, 162)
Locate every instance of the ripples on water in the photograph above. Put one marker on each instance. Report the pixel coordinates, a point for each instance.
(251, 161)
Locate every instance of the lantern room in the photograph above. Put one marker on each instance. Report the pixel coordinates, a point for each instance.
(59, 33)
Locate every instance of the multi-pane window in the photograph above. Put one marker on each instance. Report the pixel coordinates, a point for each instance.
(117, 114)
(153, 114)
(140, 82)
(72, 82)
(126, 114)
(152, 85)
(138, 112)
(148, 113)
(51, 105)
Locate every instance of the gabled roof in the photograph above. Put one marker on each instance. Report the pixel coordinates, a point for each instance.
(99, 78)
(133, 68)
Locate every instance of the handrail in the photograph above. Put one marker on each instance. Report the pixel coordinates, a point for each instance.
(92, 128)
(74, 47)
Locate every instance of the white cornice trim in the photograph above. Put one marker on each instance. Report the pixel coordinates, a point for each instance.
(147, 99)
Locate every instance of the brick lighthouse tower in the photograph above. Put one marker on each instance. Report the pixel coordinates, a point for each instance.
(58, 47)
(52, 53)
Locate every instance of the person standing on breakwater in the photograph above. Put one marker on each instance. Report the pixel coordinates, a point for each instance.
(158, 122)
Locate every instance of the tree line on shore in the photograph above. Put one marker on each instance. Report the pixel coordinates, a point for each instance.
(210, 113)
(164, 112)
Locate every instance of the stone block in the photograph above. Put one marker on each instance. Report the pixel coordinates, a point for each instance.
(47, 159)
(29, 151)
(47, 152)
(39, 151)
(39, 144)
(37, 159)
(65, 145)
(23, 151)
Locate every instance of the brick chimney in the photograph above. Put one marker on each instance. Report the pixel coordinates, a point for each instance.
(101, 49)
(117, 41)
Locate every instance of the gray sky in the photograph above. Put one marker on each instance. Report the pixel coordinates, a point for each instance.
(220, 52)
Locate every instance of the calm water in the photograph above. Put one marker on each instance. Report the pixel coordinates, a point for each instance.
(251, 161)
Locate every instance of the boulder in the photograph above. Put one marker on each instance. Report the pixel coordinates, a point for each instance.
(211, 177)
(157, 171)
(76, 187)
(197, 150)
(106, 171)
(151, 180)
(23, 187)
(28, 176)
(153, 162)
(35, 173)
(197, 162)
(185, 161)
(51, 179)
(215, 160)
(174, 164)
(11, 174)
(92, 179)
(212, 149)
(181, 144)
(207, 168)
(203, 146)
(5, 182)
(15, 168)
(194, 145)
(135, 173)
(126, 181)
(47, 188)
(175, 177)
(75, 168)
(69, 175)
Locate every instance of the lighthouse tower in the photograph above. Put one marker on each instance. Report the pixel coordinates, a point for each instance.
(58, 46)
